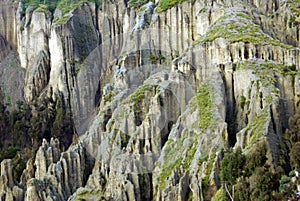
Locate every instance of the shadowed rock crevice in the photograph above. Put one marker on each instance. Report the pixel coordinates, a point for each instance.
(154, 96)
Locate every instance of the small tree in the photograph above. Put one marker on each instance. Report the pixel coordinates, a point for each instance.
(257, 158)
(242, 190)
(232, 166)
(262, 183)
(295, 156)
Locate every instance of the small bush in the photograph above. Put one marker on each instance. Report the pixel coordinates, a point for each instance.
(164, 5)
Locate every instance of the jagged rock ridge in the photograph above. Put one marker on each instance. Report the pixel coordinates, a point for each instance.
(156, 95)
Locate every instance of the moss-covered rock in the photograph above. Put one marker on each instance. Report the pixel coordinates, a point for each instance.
(238, 26)
(164, 5)
(88, 194)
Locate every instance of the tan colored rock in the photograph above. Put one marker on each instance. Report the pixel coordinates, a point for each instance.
(8, 189)
(8, 26)
(6, 175)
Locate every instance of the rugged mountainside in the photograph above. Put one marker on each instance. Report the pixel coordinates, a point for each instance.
(140, 100)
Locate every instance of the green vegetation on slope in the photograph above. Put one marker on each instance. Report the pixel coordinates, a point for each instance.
(89, 194)
(295, 6)
(260, 65)
(171, 159)
(188, 141)
(137, 97)
(251, 176)
(239, 27)
(258, 127)
(137, 3)
(65, 6)
(139, 101)
(164, 5)
(205, 106)
(50, 4)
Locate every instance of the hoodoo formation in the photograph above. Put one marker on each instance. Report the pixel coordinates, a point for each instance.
(143, 100)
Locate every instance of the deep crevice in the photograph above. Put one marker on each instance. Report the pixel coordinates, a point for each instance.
(261, 100)
(273, 121)
(246, 51)
(107, 117)
(230, 109)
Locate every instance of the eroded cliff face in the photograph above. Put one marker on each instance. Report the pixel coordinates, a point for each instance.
(155, 94)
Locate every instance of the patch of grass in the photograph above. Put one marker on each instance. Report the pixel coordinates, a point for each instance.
(157, 58)
(203, 10)
(244, 15)
(267, 70)
(173, 156)
(280, 68)
(62, 20)
(291, 21)
(139, 94)
(295, 6)
(139, 103)
(108, 96)
(65, 6)
(209, 167)
(220, 195)
(243, 101)
(205, 106)
(141, 9)
(258, 127)
(86, 194)
(238, 27)
(42, 8)
(8, 101)
(190, 156)
(166, 172)
(171, 165)
(191, 195)
(137, 3)
(164, 5)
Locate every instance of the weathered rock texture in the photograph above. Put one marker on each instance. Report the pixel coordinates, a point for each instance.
(9, 191)
(155, 97)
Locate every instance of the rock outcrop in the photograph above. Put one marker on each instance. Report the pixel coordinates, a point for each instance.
(57, 175)
(8, 189)
(8, 27)
(156, 92)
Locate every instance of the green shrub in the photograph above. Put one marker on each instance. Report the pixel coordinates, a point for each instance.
(295, 156)
(164, 5)
(232, 166)
(157, 59)
(221, 195)
(243, 101)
